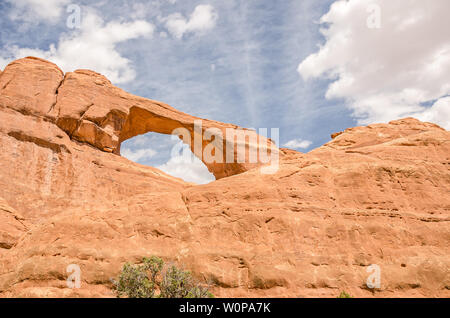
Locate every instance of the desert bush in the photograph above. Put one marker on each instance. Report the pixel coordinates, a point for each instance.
(180, 284)
(148, 280)
(134, 283)
(344, 294)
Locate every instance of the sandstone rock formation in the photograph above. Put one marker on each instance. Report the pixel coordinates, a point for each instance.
(372, 195)
(88, 108)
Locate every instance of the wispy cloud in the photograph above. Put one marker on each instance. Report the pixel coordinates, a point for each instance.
(298, 144)
(202, 19)
(138, 155)
(28, 10)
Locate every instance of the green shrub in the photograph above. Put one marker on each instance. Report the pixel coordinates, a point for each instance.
(344, 294)
(149, 281)
(134, 283)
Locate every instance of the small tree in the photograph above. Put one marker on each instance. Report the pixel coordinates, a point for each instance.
(144, 281)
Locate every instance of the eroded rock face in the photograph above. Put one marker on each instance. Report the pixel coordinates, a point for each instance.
(30, 86)
(372, 195)
(12, 227)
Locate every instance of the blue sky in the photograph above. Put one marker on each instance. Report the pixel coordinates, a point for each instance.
(254, 63)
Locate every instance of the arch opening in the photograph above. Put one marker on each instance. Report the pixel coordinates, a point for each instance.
(168, 154)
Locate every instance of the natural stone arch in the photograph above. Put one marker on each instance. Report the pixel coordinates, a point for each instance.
(91, 110)
(141, 120)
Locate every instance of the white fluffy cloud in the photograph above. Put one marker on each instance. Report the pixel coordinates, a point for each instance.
(183, 164)
(137, 155)
(388, 72)
(202, 19)
(298, 144)
(188, 170)
(439, 113)
(49, 10)
(93, 47)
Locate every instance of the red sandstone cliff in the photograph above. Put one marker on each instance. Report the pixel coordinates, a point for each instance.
(372, 195)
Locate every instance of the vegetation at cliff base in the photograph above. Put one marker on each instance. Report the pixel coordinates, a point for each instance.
(344, 294)
(152, 279)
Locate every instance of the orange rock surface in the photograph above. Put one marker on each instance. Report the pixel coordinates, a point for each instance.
(373, 195)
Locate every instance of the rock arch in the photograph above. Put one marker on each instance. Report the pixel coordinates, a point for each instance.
(92, 110)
